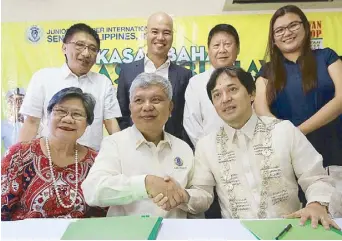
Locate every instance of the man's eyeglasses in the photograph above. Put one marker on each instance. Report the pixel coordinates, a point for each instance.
(292, 27)
(61, 113)
(80, 46)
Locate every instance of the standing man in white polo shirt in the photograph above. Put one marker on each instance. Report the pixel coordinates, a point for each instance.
(80, 47)
(200, 117)
(132, 163)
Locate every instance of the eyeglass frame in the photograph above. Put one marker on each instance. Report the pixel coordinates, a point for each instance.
(287, 27)
(77, 43)
(67, 112)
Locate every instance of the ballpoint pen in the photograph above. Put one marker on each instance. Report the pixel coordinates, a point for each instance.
(285, 230)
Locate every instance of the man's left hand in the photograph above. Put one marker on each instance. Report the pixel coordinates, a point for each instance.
(317, 213)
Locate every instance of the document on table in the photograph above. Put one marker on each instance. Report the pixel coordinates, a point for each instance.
(270, 229)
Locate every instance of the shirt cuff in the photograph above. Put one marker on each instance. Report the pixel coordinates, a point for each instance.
(138, 187)
(321, 199)
(186, 206)
(31, 112)
(192, 200)
(110, 114)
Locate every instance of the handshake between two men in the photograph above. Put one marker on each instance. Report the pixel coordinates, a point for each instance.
(166, 192)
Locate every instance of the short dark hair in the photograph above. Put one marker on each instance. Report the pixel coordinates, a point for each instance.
(88, 101)
(81, 27)
(227, 28)
(245, 78)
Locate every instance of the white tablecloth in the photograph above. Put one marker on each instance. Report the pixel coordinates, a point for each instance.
(53, 229)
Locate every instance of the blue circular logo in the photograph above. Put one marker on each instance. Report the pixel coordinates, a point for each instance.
(178, 161)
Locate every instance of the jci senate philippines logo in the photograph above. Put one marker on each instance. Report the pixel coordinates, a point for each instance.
(34, 34)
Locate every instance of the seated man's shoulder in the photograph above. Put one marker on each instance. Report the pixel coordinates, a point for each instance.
(286, 127)
(209, 139)
(279, 124)
(178, 143)
(267, 120)
(120, 137)
(181, 152)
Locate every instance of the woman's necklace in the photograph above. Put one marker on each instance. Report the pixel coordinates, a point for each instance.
(73, 199)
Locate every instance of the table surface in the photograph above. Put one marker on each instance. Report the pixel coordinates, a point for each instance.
(53, 229)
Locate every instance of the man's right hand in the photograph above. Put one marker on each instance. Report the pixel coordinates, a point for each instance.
(167, 187)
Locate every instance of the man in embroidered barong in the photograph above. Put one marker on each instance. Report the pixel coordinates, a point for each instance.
(254, 161)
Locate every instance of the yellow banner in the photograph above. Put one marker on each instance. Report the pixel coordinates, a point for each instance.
(30, 46)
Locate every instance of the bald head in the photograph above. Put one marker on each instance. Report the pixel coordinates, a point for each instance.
(159, 17)
(159, 35)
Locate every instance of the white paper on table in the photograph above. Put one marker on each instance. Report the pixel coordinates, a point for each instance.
(203, 229)
(38, 228)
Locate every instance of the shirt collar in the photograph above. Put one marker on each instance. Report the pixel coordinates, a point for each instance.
(290, 61)
(140, 139)
(67, 72)
(247, 129)
(166, 64)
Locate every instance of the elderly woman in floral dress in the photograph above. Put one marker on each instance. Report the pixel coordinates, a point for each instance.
(42, 178)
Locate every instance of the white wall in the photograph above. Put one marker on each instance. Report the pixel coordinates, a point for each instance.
(42, 10)
(52, 10)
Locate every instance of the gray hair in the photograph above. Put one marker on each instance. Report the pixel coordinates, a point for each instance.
(144, 80)
(88, 101)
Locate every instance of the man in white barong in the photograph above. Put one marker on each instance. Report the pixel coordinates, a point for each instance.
(254, 161)
(131, 164)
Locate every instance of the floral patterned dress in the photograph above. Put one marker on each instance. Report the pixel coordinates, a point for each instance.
(27, 189)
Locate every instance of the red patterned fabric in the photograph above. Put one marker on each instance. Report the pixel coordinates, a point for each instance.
(27, 189)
